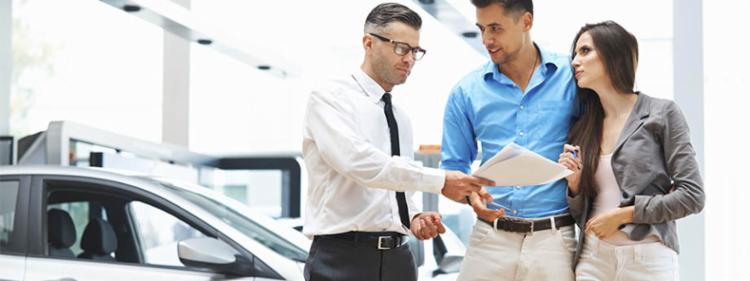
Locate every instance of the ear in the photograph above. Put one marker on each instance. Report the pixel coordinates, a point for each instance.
(367, 42)
(528, 21)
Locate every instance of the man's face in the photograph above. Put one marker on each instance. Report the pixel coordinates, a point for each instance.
(389, 67)
(502, 34)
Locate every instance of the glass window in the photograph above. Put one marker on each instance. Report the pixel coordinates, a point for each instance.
(242, 223)
(159, 232)
(258, 189)
(6, 150)
(96, 67)
(79, 213)
(653, 29)
(8, 197)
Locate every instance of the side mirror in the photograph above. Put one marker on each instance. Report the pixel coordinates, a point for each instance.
(215, 255)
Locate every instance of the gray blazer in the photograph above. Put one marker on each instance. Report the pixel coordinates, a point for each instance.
(653, 155)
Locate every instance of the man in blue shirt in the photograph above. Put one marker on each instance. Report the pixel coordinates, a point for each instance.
(524, 95)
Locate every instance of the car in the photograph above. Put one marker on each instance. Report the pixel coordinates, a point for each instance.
(72, 223)
(69, 223)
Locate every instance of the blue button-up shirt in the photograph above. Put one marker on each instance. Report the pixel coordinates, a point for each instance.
(489, 108)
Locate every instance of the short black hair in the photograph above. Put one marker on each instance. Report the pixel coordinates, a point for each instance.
(386, 13)
(509, 5)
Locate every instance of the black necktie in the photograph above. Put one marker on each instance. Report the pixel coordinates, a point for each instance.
(403, 210)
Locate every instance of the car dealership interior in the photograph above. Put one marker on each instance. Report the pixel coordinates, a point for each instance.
(163, 139)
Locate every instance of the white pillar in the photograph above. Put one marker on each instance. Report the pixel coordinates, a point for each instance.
(726, 32)
(688, 93)
(176, 96)
(6, 56)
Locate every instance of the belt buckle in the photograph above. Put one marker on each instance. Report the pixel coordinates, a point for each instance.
(532, 227)
(380, 243)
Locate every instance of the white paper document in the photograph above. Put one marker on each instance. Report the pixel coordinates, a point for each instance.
(518, 166)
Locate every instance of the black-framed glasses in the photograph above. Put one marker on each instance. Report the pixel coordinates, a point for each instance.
(401, 48)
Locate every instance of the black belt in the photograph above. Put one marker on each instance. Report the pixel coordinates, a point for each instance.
(525, 226)
(381, 240)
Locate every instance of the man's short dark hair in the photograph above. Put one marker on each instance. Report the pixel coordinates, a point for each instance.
(511, 6)
(386, 13)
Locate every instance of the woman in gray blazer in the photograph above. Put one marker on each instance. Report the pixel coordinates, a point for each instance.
(635, 169)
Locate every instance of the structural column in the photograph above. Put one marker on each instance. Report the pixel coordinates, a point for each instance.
(6, 59)
(688, 93)
(176, 95)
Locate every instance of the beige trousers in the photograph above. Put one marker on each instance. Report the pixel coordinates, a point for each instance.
(602, 261)
(496, 255)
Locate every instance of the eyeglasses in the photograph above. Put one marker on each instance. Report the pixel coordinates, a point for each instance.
(401, 48)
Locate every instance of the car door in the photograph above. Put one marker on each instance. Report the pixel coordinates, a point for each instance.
(145, 234)
(13, 221)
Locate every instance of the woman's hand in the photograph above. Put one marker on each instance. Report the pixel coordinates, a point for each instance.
(571, 160)
(606, 224)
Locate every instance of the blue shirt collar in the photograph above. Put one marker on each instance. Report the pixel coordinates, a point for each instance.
(550, 66)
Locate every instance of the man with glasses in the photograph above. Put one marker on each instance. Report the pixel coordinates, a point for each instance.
(358, 153)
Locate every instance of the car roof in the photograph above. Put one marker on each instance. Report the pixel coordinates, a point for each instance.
(122, 176)
(60, 170)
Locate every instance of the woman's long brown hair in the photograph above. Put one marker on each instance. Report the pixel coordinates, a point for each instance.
(618, 50)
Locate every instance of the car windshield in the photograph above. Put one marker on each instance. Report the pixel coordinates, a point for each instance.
(245, 225)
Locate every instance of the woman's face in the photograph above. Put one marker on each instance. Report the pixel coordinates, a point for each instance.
(587, 64)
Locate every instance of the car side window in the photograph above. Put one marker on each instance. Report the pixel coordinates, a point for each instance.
(85, 222)
(8, 196)
(79, 215)
(159, 233)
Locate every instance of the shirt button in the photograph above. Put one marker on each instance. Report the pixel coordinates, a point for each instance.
(521, 107)
(520, 133)
(515, 212)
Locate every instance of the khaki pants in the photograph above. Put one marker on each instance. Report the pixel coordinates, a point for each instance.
(606, 262)
(496, 255)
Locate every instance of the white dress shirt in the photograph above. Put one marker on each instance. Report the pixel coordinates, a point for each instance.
(347, 150)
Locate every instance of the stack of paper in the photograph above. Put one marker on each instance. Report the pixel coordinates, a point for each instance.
(518, 166)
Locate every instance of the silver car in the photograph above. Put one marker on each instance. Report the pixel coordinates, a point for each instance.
(64, 223)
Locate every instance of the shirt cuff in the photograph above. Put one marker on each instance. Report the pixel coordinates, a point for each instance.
(413, 215)
(432, 181)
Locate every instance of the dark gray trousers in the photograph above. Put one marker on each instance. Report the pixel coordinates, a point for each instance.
(334, 259)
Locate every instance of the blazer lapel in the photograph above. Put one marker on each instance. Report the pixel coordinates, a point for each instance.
(640, 112)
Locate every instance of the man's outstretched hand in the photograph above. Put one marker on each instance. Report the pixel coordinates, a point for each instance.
(459, 185)
(478, 201)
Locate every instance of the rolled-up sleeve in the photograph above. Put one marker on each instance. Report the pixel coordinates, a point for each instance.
(459, 148)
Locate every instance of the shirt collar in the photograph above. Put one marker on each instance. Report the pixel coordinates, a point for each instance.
(550, 66)
(369, 87)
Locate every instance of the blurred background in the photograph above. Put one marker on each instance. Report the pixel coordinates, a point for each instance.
(231, 77)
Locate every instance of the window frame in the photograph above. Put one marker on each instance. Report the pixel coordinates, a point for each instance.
(137, 232)
(38, 233)
(18, 244)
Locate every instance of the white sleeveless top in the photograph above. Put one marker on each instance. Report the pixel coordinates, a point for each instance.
(608, 198)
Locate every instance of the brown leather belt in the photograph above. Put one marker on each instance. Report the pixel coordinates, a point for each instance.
(530, 225)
